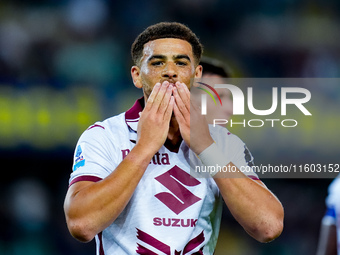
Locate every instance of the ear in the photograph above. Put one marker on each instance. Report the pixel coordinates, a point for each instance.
(135, 74)
(198, 71)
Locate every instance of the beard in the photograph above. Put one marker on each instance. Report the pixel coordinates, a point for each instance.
(147, 89)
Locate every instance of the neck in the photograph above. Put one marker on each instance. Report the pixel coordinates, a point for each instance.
(174, 138)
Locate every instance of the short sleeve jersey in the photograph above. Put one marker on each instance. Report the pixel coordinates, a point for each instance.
(170, 212)
(332, 216)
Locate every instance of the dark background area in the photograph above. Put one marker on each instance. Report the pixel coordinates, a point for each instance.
(66, 64)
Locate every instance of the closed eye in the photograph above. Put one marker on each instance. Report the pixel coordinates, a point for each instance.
(181, 63)
(157, 63)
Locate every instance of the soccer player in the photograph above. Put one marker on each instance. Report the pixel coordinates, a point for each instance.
(215, 72)
(213, 67)
(329, 239)
(131, 187)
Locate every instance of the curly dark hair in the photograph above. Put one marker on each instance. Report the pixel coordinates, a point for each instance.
(215, 66)
(166, 30)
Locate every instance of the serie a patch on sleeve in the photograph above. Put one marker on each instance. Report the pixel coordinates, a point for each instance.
(79, 159)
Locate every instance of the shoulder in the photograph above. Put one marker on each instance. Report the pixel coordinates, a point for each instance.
(333, 192)
(108, 129)
(107, 125)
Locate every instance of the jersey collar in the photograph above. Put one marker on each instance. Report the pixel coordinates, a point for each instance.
(132, 115)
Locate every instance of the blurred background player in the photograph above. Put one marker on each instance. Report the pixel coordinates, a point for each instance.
(215, 72)
(329, 239)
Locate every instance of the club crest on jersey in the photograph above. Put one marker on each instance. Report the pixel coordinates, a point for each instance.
(79, 158)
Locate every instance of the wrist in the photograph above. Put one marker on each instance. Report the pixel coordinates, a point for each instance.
(202, 145)
(212, 156)
(143, 154)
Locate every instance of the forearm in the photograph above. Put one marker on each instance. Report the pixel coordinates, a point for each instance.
(91, 207)
(258, 211)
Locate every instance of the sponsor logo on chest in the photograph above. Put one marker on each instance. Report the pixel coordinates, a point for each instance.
(173, 222)
(178, 197)
(157, 159)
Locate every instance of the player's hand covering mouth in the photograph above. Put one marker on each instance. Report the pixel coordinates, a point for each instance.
(171, 81)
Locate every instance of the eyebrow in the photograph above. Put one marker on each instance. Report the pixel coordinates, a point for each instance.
(163, 57)
(156, 57)
(182, 56)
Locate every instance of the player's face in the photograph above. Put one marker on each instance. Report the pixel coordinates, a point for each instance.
(165, 59)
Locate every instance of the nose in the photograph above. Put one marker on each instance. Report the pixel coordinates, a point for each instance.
(169, 71)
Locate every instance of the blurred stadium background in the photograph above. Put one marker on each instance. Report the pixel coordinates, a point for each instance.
(66, 64)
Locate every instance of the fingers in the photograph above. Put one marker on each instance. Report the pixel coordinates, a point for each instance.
(169, 109)
(182, 98)
(151, 99)
(159, 99)
(184, 93)
(166, 98)
(178, 114)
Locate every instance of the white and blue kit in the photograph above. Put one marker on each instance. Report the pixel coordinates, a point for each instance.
(332, 215)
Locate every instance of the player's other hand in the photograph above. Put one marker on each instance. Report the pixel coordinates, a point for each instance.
(153, 125)
(193, 126)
